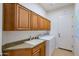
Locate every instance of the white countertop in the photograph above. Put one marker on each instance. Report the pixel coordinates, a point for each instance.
(27, 44)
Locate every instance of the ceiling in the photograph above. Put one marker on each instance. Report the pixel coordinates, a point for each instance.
(53, 6)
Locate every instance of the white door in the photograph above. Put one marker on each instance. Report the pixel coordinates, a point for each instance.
(65, 31)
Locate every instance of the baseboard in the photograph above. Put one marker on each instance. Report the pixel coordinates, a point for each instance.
(65, 49)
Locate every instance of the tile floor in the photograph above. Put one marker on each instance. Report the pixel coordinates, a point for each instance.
(61, 52)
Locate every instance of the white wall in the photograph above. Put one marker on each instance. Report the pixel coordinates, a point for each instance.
(54, 16)
(36, 8)
(12, 36)
(76, 21)
(0, 28)
(76, 30)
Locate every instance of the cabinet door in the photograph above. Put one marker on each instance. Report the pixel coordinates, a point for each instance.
(18, 52)
(47, 24)
(40, 23)
(8, 16)
(22, 21)
(22, 52)
(34, 21)
(42, 49)
(43, 24)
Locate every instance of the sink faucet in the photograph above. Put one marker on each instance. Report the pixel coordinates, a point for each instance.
(30, 37)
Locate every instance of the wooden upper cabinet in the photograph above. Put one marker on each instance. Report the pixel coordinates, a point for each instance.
(43, 24)
(34, 21)
(16, 17)
(22, 21)
(40, 23)
(46, 24)
(8, 16)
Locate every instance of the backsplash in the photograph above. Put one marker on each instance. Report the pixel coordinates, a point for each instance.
(12, 36)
